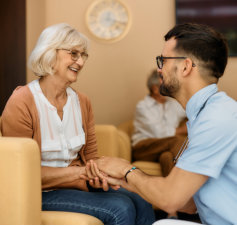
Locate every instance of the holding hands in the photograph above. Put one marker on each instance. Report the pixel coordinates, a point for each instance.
(114, 167)
(106, 172)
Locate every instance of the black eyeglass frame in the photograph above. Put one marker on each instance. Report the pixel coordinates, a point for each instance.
(83, 55)
(160, 60)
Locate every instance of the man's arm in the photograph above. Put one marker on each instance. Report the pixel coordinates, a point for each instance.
(189, 208)
(171, 193)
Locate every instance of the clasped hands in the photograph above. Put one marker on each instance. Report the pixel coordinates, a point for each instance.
(106, 172)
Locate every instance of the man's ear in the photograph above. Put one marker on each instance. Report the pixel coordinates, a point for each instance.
(187, 66)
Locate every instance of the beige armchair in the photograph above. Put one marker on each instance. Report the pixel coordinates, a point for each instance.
(20, 178)
(20, 190)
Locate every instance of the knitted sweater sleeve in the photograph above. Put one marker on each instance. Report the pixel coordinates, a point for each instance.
(17, 116)
(90, 149)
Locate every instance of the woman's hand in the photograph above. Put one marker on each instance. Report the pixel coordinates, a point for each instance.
(96, 178)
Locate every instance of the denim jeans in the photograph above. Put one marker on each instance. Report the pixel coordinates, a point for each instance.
(119, 207)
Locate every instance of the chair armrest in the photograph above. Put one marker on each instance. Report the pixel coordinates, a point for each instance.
(20, 176)
(68, 218)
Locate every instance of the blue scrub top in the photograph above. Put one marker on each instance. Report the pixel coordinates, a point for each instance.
(212, 151)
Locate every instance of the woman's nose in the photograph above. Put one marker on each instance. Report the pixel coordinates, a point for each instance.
(80, 61)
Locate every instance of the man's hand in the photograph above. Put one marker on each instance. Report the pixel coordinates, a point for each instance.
(98, 179)
(114, 167)
(113, 182)
(93, 179)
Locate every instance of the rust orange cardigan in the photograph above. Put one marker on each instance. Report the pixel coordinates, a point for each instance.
(20, 119)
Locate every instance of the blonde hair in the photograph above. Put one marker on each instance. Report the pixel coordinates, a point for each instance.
(59, 36)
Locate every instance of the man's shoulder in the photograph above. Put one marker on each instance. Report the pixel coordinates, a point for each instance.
(221, 107)
(223, 99)
(219, 115)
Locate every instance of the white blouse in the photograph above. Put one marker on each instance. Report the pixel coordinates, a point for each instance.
(61, 140)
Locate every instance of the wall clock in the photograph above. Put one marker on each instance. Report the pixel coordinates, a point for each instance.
(108, 20)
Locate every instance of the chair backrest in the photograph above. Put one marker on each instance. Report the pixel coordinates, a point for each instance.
(107, 140)
(112, 142)
(127, 127)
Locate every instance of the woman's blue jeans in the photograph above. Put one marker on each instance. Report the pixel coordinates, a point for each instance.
(112, 207)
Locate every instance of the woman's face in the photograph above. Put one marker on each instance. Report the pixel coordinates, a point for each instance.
(65, 67)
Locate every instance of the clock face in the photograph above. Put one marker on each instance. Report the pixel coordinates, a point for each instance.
(108, 20)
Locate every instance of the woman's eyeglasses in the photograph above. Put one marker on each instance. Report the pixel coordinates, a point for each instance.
(75, 55)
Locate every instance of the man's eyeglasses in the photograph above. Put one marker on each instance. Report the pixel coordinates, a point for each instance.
(75, 55)
(160, 60)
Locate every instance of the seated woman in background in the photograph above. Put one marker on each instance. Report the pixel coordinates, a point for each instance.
(60, 119)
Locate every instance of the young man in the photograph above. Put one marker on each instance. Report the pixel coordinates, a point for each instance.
(193, 59)
(158, 134)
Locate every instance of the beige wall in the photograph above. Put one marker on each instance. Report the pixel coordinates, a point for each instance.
(114, 76)
(35, 23)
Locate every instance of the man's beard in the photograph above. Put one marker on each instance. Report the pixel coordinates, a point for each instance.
(171, 88)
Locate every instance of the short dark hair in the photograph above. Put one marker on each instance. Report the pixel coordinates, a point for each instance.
(202, 42)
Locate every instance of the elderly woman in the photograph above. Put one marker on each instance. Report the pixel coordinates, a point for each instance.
(60, 119)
